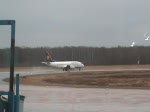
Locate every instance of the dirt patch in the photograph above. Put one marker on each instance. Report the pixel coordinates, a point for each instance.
(117, 79)
(133, 76)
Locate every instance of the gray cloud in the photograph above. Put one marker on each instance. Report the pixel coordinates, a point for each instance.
(77, 22)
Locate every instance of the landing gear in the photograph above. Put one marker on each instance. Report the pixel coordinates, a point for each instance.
(79, 69)
(67, 68)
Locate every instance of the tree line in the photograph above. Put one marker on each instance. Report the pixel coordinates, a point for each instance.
(88, 55)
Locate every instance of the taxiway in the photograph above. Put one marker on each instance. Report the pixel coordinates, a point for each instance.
(65, 99)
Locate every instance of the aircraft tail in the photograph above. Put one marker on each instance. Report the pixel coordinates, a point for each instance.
(48, 57)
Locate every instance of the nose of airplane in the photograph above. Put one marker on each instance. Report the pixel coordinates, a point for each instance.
(82, 64)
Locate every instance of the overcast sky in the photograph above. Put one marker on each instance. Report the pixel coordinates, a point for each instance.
(96, 23)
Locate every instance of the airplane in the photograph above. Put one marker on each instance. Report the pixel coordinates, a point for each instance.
(132, 45)
(147, 35)
(64, 65)
(147, 38)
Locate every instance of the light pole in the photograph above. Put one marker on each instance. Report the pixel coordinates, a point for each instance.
(138, 58)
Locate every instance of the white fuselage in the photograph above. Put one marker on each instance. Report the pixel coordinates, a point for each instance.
(63, 64)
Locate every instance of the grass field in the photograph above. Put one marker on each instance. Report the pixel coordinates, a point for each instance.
(126, 78)
(120, 79)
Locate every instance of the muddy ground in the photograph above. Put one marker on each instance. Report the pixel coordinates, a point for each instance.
(138, 79)
(122, 79)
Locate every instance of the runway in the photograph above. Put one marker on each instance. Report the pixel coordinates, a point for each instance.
(65, 99)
